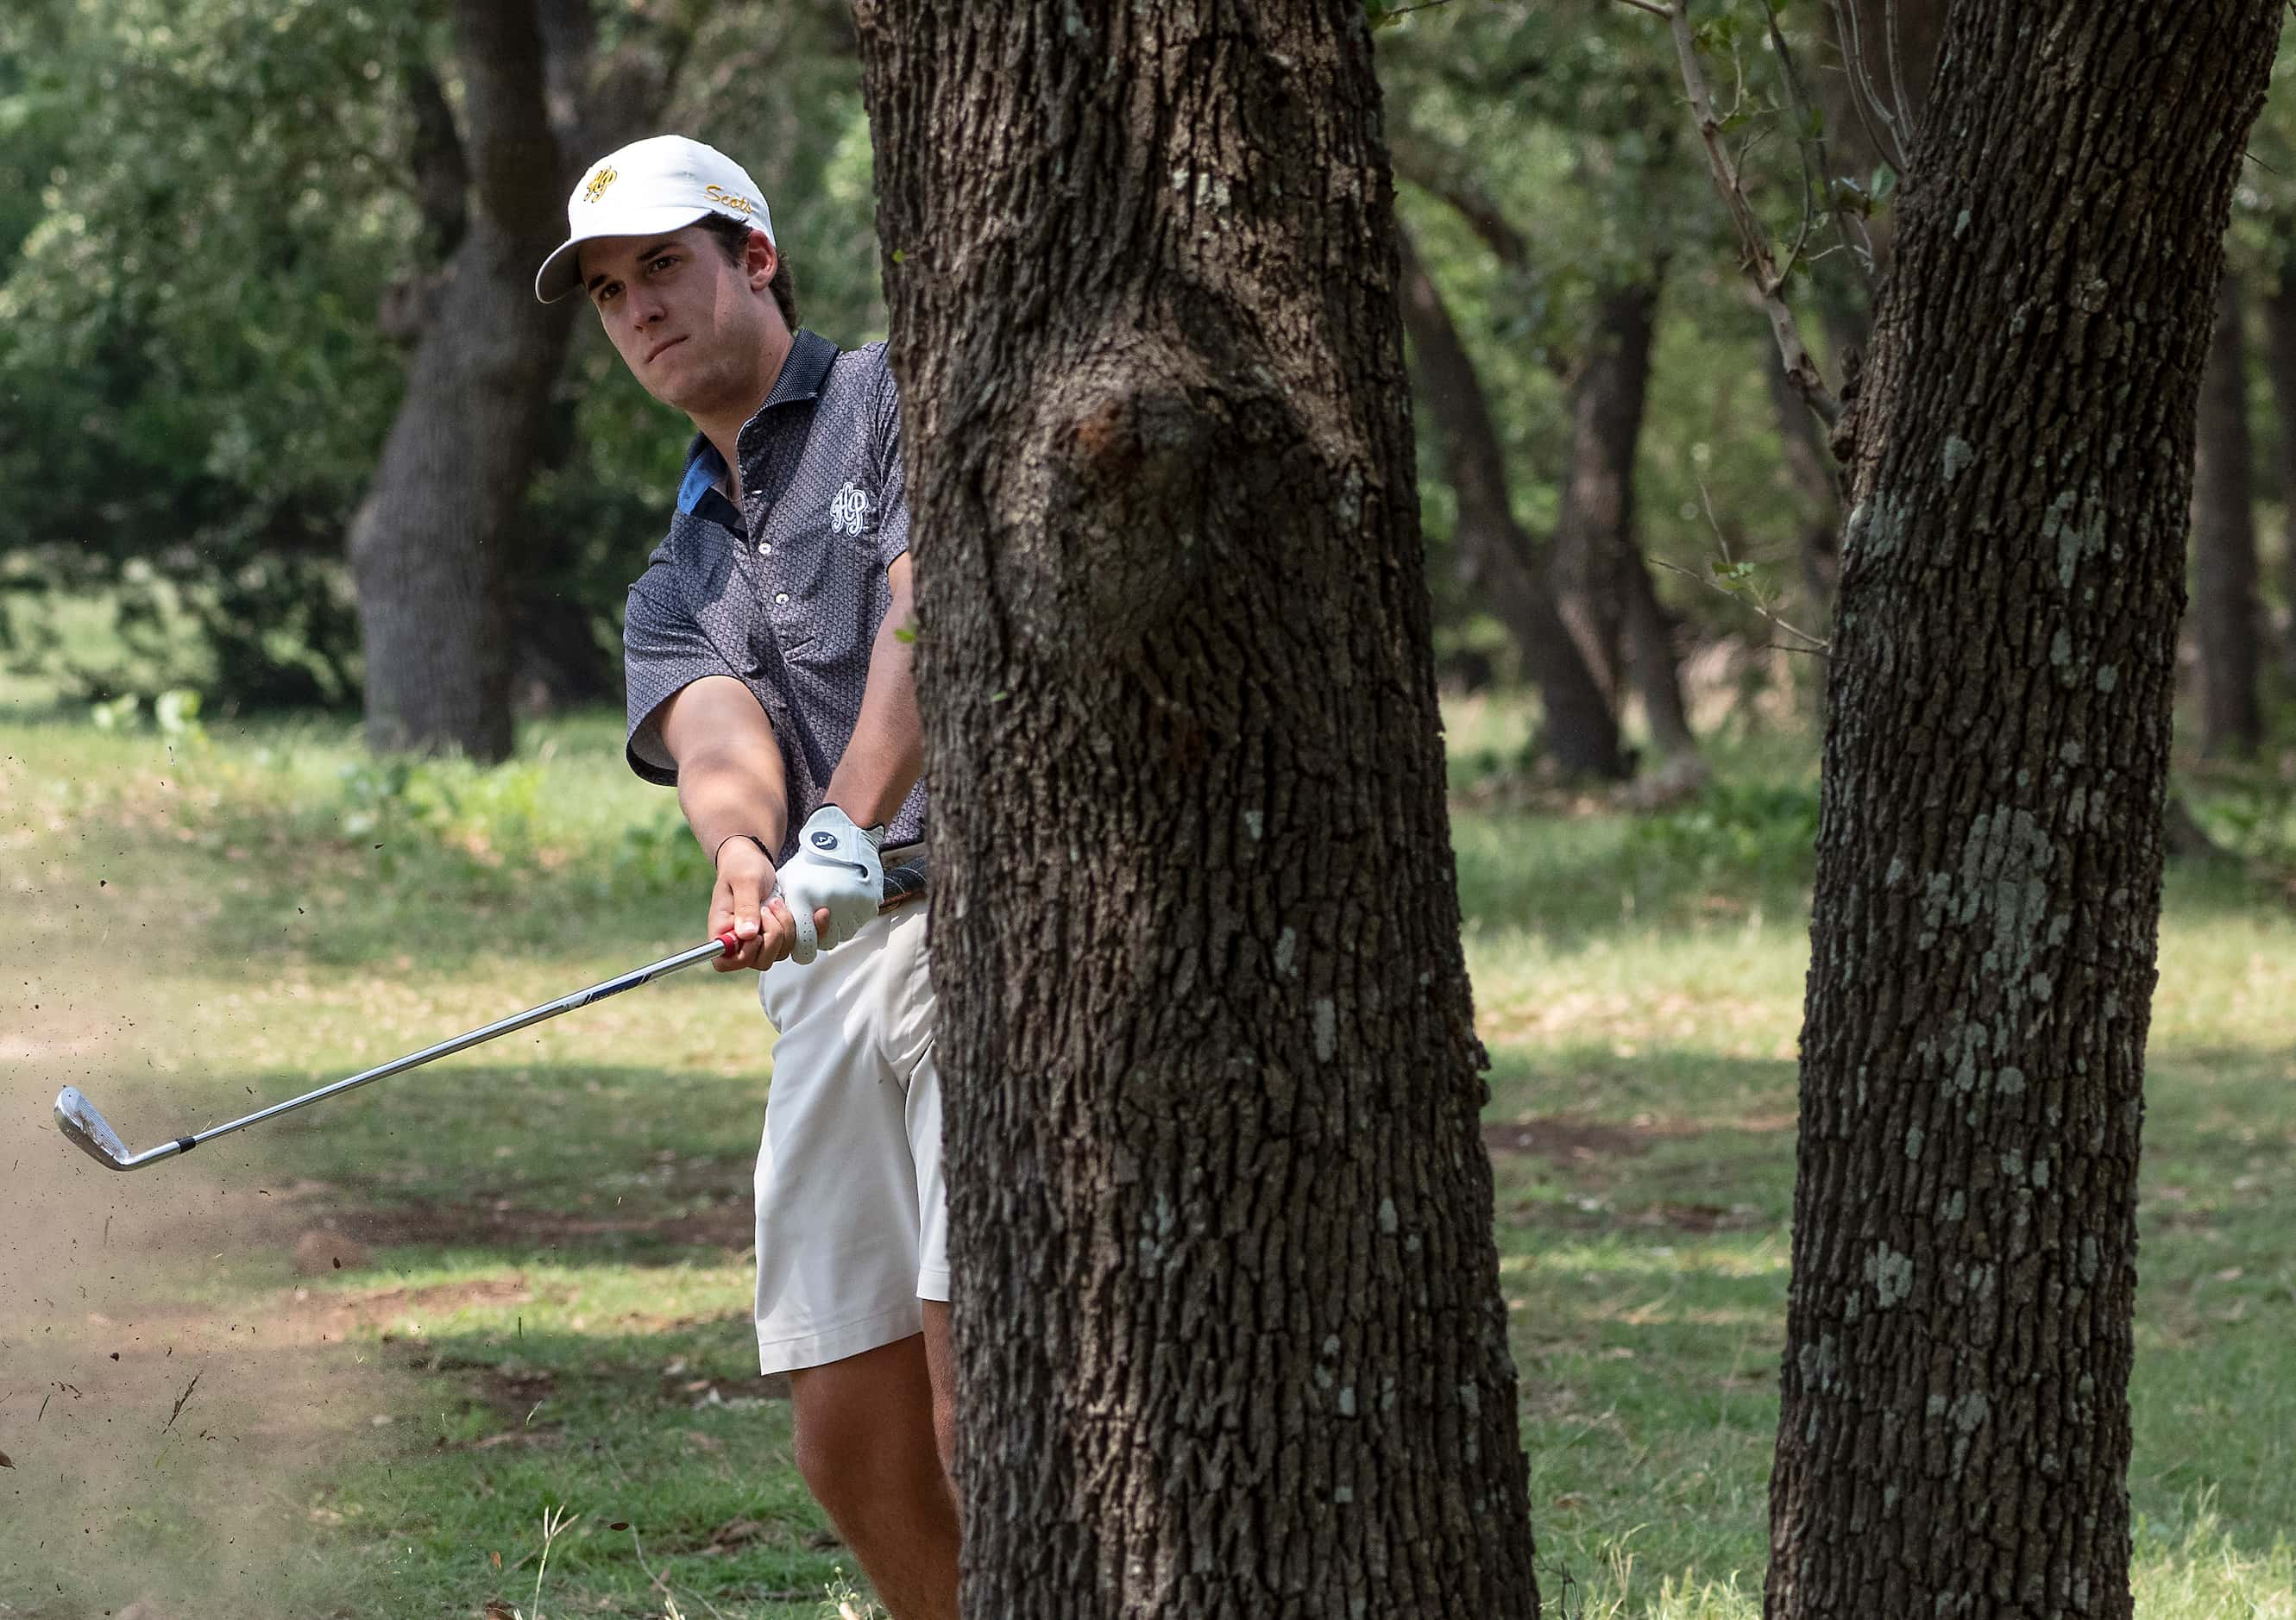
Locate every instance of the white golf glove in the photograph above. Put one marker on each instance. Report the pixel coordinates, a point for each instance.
(836, 868)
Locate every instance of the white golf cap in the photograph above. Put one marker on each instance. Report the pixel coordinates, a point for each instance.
(649, 188)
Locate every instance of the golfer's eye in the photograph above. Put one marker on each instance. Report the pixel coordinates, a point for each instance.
(662, 262)
(605, 294)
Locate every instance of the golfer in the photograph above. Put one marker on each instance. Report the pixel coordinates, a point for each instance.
(770, 683)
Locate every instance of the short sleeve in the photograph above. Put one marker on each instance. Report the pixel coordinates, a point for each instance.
(663, 653)
(893, 474)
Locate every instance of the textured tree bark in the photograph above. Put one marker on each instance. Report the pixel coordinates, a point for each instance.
(1581, 731)
(1954, 1437)
(2227, 616)
(1228, 1329)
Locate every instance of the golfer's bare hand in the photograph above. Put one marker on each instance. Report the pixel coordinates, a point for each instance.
(739, 905)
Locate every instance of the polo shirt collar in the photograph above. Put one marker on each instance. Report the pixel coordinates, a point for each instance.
(803, 370)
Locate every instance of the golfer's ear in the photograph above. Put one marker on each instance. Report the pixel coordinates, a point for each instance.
(762, 260)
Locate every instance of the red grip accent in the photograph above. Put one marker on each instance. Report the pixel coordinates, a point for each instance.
(730, 941)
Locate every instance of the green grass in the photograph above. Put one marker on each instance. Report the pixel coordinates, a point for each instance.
(553, 1312)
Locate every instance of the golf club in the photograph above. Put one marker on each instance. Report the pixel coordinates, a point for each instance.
(88, 1130)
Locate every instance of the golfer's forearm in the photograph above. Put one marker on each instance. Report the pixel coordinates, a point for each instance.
(730, 776)
(729, 790)
(887, 752)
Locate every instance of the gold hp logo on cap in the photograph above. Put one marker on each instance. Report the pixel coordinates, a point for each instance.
(599, 182)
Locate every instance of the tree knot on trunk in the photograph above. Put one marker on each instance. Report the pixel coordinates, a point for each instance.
(1121, 470)
(1135, 443)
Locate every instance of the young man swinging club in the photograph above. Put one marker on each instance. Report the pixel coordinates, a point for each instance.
(768, 681)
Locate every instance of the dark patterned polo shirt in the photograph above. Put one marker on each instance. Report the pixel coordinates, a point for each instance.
(786, 594)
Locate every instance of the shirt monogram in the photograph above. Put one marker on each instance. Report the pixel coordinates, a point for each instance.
(848, 513)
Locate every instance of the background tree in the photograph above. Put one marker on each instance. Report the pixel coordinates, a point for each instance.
(2226, 617)
(1954, 1435)
(190, 382)
(1231, 1340)
(1496, 555)
(1479, 97)
(430, 544)
(1869, 79)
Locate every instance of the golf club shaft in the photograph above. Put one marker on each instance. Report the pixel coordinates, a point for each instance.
(905, 878)
(461, 1043)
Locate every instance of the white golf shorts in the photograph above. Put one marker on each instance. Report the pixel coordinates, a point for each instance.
(852, 1213)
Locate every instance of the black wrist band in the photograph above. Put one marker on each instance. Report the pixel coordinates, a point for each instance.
(730, 836)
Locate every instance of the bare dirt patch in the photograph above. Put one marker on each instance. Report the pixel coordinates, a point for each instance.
(161, 1446)
(1700, 1218)
(148, 1430)
(343, 1313)
(1576, 1142)
(727, 1226)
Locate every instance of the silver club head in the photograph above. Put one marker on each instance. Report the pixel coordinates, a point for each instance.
(76, 1118)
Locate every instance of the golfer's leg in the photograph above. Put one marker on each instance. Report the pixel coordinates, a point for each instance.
(940, 1363)
(865, 1445)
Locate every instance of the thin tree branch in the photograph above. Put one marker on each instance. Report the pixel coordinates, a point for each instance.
(1761, 264)
(1897, 82)
(1818, 650)
(1863, 95)
(1818, 645)
(1812, 139)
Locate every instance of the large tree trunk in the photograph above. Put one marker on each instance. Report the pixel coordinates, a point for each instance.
(2226, 617)
(1581, 733)
(1954, 1434)
(1228, 1329)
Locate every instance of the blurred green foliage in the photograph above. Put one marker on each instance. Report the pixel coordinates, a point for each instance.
(1741, 828)
(1570, 121)
(205, 206)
